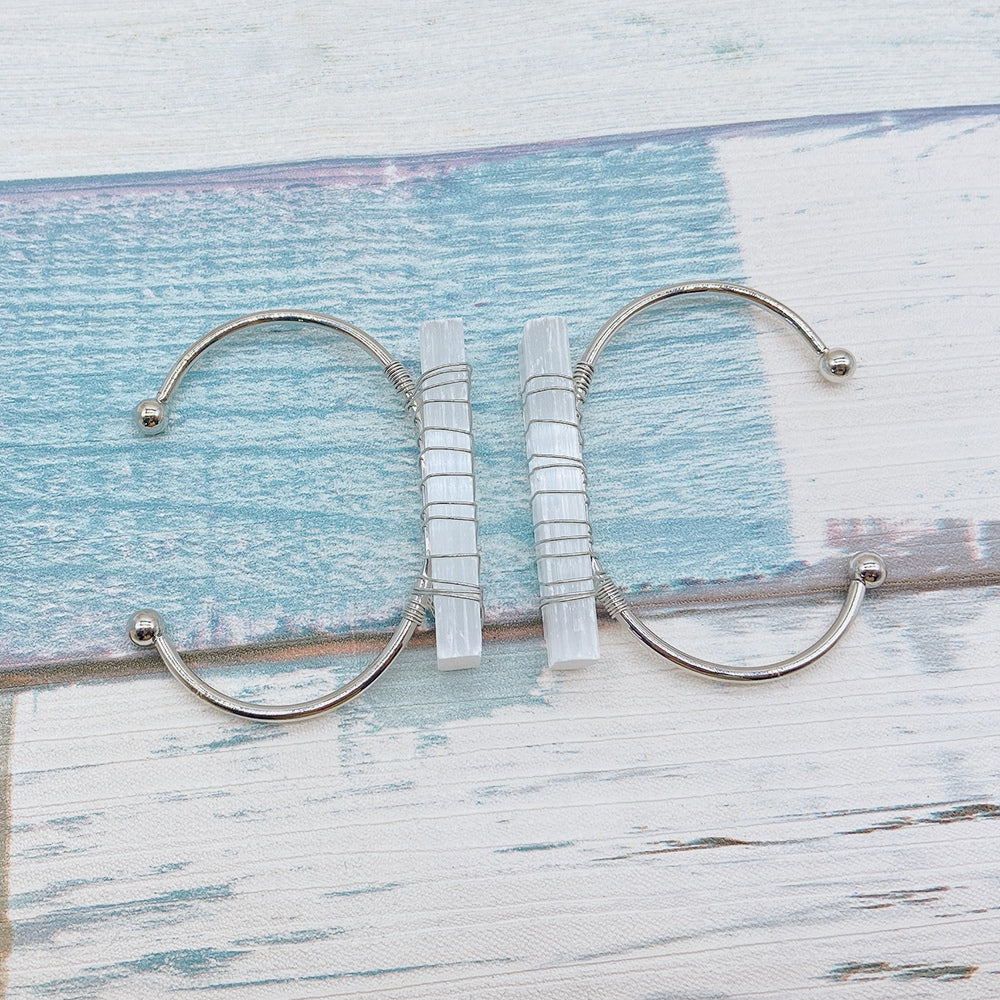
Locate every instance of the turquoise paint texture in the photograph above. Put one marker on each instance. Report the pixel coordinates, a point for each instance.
(283, 501)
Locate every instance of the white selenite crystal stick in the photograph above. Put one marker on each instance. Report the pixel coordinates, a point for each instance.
(449, 494)
(559, 498)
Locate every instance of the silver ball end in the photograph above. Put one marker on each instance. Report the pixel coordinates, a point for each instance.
(869, 569)
(835, 364)
(151, 416)
(144, 627)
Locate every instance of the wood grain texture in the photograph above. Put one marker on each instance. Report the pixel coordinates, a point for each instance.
(287, 452)
(621, 831)
(694, 478)
(636, 831)
(104, 88)
(897, 264)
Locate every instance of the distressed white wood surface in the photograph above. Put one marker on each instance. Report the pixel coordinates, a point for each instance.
(627, 830)
(898, 263)
(635, 832)
(94, 88)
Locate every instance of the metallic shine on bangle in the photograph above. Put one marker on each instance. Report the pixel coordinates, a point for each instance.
(145, 627)
(866, 570)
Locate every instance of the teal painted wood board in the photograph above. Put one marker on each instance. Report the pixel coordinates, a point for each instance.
(507, 832)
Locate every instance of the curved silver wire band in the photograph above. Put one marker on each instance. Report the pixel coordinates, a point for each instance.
(146, 628)
(585, 366)
(412, 616)
(398, 375)
(614, 602)
(867, 569)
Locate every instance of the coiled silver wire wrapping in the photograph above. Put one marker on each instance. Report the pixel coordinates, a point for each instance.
(428, 392)
(582, 374)
(608, 593)
(402, 381)
(575, 542)
(413, 610)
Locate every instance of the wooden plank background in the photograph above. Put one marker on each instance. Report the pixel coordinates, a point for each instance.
(626, 830)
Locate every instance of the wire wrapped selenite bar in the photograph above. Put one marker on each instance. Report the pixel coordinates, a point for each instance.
(558, 495)
(449, 494)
